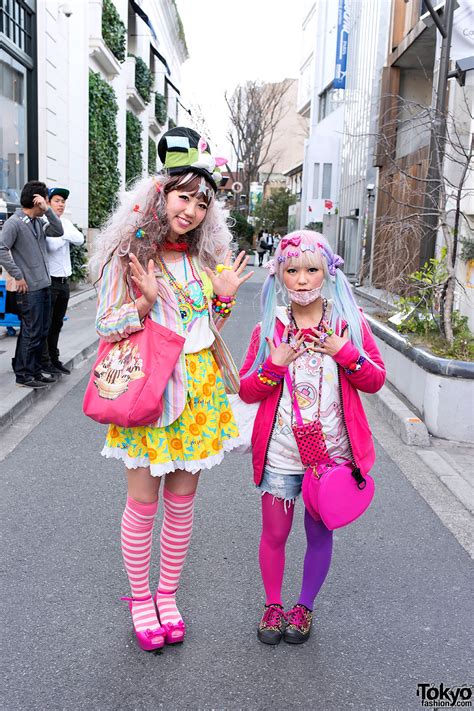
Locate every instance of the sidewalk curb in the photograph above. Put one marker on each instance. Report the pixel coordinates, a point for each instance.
(27, 398)
(403, 421)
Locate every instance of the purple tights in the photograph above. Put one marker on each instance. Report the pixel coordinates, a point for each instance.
(276, 526)
(317, 559)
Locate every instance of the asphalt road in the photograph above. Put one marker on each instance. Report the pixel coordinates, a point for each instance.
(394, 612)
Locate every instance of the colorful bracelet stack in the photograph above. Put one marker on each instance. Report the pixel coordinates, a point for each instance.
(268, 377)
(223, 305)
(354, 367)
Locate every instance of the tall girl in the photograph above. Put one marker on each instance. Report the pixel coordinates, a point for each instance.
(325, 345)
(165, 255)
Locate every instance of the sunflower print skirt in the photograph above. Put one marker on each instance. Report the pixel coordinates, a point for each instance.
(196, 440)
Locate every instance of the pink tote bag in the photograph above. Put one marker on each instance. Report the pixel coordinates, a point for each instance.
(129, 376)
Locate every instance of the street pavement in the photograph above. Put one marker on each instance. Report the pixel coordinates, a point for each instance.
(394, 612)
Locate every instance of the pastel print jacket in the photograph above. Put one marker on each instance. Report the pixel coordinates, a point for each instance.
(117, 318)
(368, 379)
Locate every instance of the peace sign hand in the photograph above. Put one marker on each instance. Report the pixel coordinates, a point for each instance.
(284, 353)
(228, 281)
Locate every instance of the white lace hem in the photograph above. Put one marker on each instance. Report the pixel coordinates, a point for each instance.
(193, 466)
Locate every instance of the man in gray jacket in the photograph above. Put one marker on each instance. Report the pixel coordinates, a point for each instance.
(23, 254)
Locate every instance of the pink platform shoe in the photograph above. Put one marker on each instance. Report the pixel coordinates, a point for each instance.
(175, 631)
(149, 639)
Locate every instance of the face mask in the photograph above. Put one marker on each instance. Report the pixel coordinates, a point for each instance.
(303, 298)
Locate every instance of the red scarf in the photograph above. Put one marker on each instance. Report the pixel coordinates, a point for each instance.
(176, 246)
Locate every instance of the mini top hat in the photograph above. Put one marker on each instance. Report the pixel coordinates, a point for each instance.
(62, 192)
(183, 150)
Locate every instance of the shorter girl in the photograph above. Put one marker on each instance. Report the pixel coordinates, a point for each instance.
(329, 352)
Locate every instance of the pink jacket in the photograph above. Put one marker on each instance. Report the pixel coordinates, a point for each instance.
(368, 379)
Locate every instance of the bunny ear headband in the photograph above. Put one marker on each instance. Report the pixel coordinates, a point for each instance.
(183, 150)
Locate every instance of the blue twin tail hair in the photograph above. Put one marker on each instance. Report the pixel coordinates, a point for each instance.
(336, 288)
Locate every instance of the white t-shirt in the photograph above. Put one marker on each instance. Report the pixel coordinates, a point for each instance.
(196, 324)
(59, 259)
(283, 456)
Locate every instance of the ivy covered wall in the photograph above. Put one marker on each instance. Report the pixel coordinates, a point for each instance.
(113, 30)
(133, 154)
(104, 176)
(151, 155)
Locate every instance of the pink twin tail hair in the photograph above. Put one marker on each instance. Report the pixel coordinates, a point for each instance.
(336, 288)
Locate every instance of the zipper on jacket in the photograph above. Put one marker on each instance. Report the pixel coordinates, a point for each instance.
(273, 427)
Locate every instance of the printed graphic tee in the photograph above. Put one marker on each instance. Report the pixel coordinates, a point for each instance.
(196, 324)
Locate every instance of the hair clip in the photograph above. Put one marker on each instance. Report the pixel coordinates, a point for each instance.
(136, 208)
(286, 241)
(140, 233)
(281, 258)
(292, 254)
(307, 247)
(270, 265)
(155, 216)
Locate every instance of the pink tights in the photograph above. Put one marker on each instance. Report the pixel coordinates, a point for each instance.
(276, 526)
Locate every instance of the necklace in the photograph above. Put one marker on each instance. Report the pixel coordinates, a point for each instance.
(185, 300)
(306, 331)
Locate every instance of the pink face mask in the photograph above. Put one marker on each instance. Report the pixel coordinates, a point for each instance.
(303, 298)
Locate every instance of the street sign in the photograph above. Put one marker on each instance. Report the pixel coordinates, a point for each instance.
(237, 187)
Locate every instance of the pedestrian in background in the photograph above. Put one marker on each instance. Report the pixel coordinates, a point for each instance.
(166, 256)
(261, 247)
(60, 269)
(23, 254)
(310, 358)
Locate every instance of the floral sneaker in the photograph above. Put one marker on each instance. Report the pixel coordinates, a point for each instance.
(272, 625)
(299, 620)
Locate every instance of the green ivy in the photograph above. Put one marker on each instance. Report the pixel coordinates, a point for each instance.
(161, 108)
(133, 155)
(181, 34)
(78, 254)
(143, 79)
(104, 175)
(171, 123)
(151, 155)
(467, 250)
(113, 30)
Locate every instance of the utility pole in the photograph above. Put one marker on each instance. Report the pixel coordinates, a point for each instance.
(434, 175)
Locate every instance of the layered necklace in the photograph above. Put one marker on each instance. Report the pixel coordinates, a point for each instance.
(187, 303)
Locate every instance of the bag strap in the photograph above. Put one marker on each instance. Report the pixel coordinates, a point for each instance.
(296, 407)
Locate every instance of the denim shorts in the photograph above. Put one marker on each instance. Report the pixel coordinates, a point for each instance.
(281, 486)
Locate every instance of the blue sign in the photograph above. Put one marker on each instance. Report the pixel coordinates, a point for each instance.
(341, 50)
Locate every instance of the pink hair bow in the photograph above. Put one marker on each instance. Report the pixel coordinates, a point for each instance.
(286, 241)
(270, 265)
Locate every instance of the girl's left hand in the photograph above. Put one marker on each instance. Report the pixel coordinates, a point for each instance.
(327, 344)
(229, 280)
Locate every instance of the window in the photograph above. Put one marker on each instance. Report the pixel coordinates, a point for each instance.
(13, 134)
(15, 23)
(316, 181)
(329, 100)
(327, 177)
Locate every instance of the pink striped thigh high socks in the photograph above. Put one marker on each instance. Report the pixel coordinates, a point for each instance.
(175, 538)
(137, 532)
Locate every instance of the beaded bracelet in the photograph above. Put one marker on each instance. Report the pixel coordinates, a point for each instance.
(265, 379)
(222, 305)
(354, 367)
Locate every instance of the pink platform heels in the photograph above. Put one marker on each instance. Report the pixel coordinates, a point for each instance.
(149, 639)
(175, 631)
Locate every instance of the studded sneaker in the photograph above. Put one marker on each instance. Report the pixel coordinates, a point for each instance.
(299, 620)
(272, 625)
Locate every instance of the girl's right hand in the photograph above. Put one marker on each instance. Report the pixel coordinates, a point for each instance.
(145, 280)
(284, 354)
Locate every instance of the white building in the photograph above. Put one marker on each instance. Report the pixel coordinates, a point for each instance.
(47, 48)
(323, 103)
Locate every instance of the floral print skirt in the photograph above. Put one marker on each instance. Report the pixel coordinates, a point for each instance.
(196, 440)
